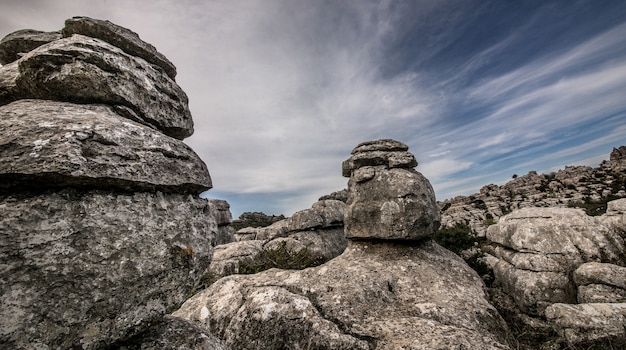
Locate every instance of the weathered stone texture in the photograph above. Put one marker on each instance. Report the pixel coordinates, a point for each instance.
(47, 143)
(86, 269)
(121, 37)
(385, 295)
(590, 324)
(81, 69)
(390, 204)
(17, 44)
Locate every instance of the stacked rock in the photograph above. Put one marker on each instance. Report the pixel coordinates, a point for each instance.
(387, 198)
(102, 231)
(392, 288)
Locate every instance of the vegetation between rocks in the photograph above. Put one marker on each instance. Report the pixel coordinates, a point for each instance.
(281, 257)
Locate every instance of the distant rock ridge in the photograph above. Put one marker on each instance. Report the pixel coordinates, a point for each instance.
(563, 188)
(102, 231)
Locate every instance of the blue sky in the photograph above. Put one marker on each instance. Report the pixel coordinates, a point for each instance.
(282, 90)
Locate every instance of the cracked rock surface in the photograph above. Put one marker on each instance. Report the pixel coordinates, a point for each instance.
(397, 290)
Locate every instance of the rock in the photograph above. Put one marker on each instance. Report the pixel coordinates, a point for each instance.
(223, 217)
(173, 333)
(383, 295)
(392, 204)
(86, 269)
(227, 257)
(583, 325)
(81, 69)
(539, 248)
(17, 44)
(121, 37)
(386, 152)
(57, 144)
(600, 293)
(382, 292)
(8, 82)
(598, 273)
(321, 245)
(323, 214)
(341, 195)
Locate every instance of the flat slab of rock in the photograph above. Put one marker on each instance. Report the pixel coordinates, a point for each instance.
(121, 37)
(81, 69)
(17, 44)
(599, 273)
(383, 295)
(47, 143)
(93, 268)
(590, 324)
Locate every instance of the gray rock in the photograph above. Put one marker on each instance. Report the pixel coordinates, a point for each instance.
(322, 245)
(88, 269)
(47, 143)
(322, 214)
(385, 145)
(383, 295)
(341, 195)
(600, 293)
(598, 273)
(227, 257)
(15, 45)
(391, 204)
(223, 217)
(173, 333)
(8, 82)
(539, 248)
(121, 37)
(590, 324)
(81, 69)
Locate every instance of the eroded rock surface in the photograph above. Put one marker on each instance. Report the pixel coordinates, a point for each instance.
(398, 290)
(597, 324)
(48, 143)
(17, 44)
(91, 267)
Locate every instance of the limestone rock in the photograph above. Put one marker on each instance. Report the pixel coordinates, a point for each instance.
(86, 269)
(81, 69)
(391, 204)
(384, 295)
(539, 248)
(598, 273)
(15, 45)
(386, 152)
(323, 214)
(121, 37)
(173, 333)
(8, 82)
(56, 144)
(600, 293)
(227, 257)
(223, 217)
(590, 324)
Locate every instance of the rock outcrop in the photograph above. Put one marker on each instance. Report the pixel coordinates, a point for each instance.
(316, 234)
(572, 186)
(223, 219)
(102, 232)
(399, 290)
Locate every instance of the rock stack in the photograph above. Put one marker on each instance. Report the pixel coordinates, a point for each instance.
(102, 231)
(392, 288)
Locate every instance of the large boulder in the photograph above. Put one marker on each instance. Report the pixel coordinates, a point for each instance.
(56, 144)
(539, 248)
(382, 295)
(599, 325)
(121, 37)
(396, 290)
(223, 217)
(387, 198)
(82, 69)
(17, 44)
(86, 269)
(600, 283)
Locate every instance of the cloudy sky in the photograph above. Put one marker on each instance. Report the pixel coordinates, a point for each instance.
(282, 90)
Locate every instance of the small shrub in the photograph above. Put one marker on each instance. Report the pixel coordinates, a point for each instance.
(281, 257)
(591, 207)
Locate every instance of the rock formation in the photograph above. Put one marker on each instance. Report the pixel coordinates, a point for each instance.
(102, 231)
(393, 288)
(315, 234)
(571, 186)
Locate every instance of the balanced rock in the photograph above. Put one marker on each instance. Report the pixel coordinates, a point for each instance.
(388, 199)
(382, 292)
(56, 144)
(120, 37)
(81, 69)
(17, 44)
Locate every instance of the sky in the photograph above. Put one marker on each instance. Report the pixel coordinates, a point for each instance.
(282, 90)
